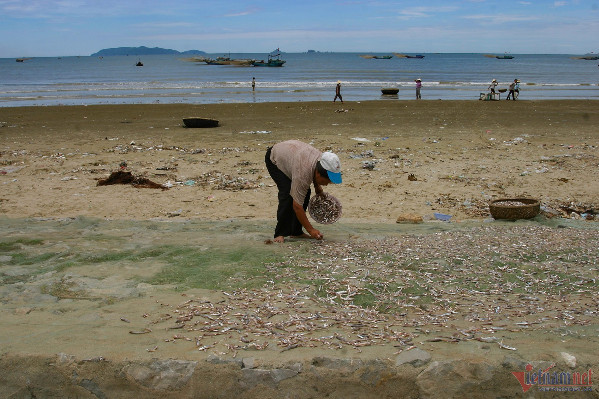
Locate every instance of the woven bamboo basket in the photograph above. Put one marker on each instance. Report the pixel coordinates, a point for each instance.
(514, 208)
(325, 209)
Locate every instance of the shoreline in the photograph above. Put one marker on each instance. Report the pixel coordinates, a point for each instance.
(274, 95)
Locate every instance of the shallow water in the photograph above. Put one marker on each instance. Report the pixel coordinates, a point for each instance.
(304, 77)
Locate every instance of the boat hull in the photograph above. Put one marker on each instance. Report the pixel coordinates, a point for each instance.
(272, 63)
(199, 122)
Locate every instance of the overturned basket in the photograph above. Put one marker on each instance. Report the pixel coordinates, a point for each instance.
(325, 208)
(514, 208)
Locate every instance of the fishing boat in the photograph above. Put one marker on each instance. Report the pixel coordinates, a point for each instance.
(382, 57)
(242, 61)
(400, 55)
(274, 60)
(590, 57)
(504, 57)
(218, 61)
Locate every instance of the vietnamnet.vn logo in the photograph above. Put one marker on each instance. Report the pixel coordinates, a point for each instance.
(554, 381)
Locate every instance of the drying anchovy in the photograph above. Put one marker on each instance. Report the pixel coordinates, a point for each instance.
(510, 203)
(325, 208)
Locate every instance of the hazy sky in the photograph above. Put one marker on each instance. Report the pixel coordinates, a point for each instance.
(82, 27)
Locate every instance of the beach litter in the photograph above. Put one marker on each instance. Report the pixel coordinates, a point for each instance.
(256, 132)
(122, 177)
(370, 165)
(10, 169)
(363, 154)
(442, 217)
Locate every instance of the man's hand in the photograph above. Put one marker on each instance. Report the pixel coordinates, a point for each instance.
(316, 234)
(303, 219)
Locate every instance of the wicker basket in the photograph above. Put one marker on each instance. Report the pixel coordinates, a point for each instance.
(324, 209)
(514, 208)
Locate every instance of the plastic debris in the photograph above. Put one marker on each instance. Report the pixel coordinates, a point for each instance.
(442, 217)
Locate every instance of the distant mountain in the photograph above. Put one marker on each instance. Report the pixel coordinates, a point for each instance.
(143, 50)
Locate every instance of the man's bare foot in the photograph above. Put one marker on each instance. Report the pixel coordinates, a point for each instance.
(303, 235)
(279, 239)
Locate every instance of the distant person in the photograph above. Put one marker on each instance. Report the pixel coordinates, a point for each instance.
(338, 92)
(418, 86)
(517, 89)
(512, 90)
(253, 84)
(493, 85)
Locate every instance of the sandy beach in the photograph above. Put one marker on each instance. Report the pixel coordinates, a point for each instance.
(121, 291)
(460, 155)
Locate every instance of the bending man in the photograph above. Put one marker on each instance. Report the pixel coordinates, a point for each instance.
(294, 166)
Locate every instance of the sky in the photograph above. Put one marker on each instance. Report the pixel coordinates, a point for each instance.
(40, 28)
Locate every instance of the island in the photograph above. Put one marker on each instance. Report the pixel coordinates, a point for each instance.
(143, 50)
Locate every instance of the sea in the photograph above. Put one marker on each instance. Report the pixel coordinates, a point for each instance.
(310, 76)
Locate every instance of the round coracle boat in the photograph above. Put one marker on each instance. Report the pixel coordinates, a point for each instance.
(390, 91)
(514, 208)
(200, 122)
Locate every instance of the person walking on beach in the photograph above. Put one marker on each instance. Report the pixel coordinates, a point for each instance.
(516, 89)
(294, 166)
(338, 92)
(418, 86)
(512, 89)
(253, 84)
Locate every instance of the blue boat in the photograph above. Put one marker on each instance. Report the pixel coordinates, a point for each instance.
(274, 60)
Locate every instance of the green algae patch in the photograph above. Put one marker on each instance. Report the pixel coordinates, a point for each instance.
(216, 268)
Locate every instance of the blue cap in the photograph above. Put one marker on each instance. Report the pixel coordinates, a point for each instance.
(331, 163)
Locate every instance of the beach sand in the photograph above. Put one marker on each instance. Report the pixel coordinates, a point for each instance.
(85, 268)
(462, 154)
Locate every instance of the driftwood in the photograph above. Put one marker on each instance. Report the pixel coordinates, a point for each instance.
(122, 177)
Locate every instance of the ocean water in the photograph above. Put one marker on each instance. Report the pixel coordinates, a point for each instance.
(304, 77)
